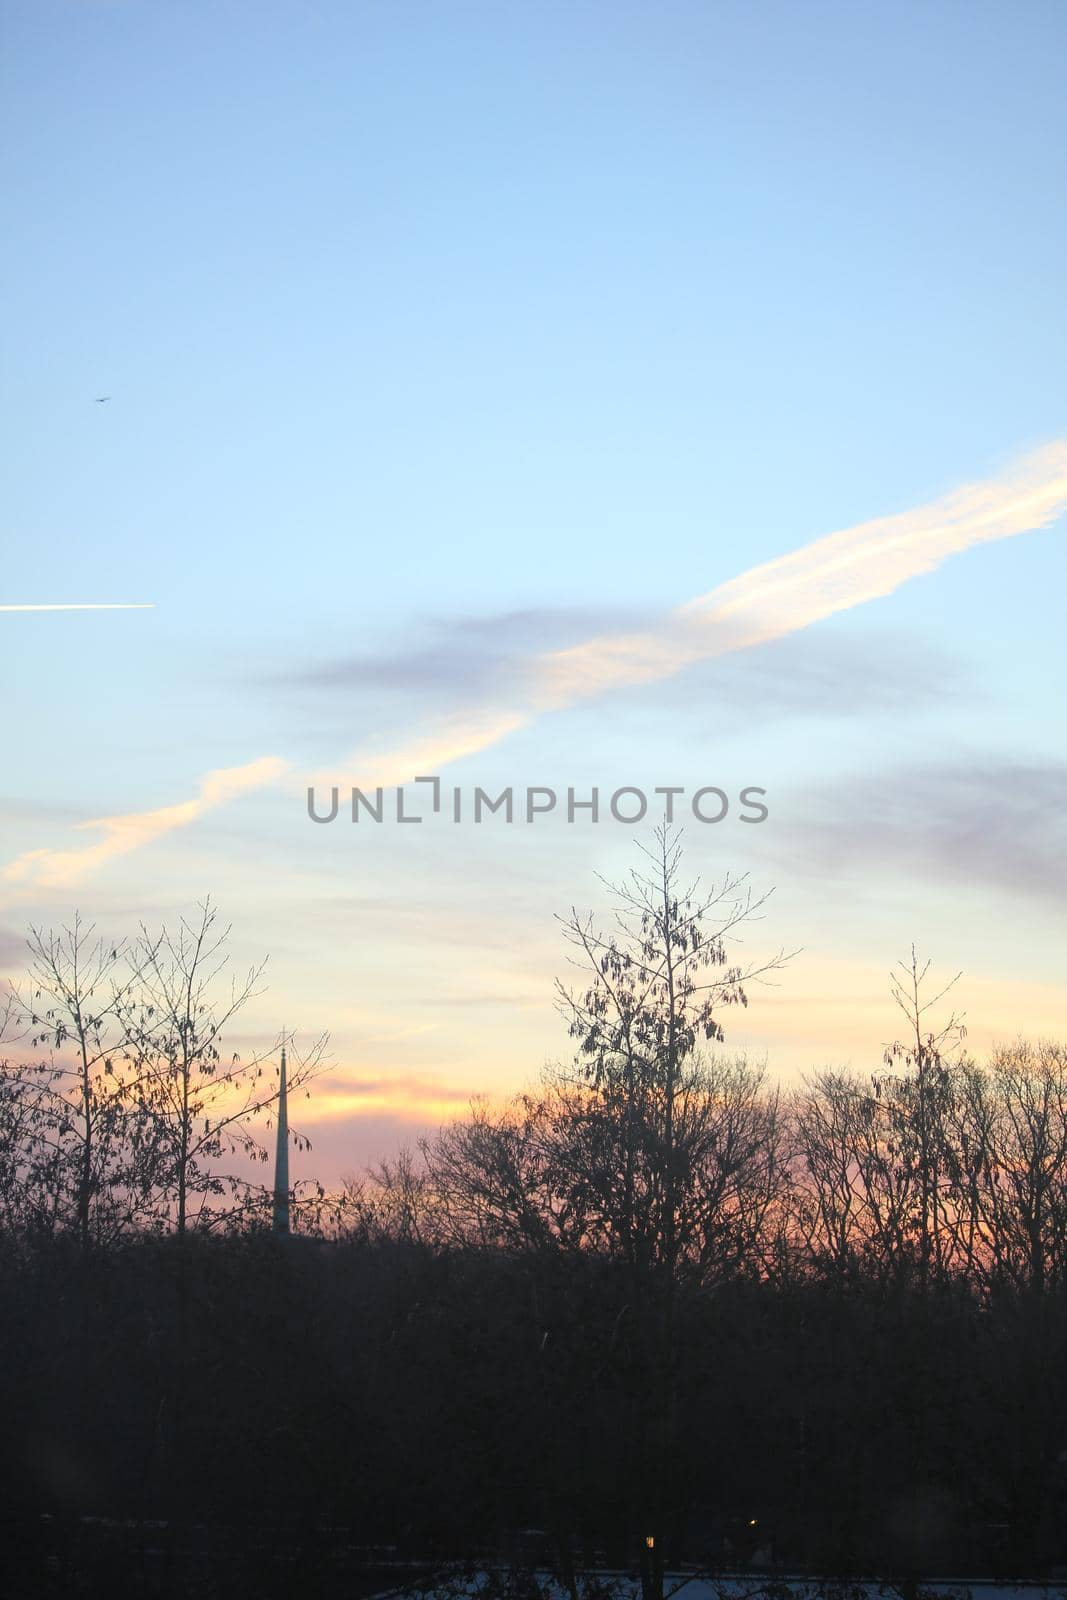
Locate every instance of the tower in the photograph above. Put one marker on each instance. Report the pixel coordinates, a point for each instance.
(281, 1156)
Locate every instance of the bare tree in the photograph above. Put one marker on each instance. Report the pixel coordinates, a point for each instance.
(657, 985)
(204, 1108)
(398, 1200)
(34, 1170)
(825, 1117)
(1014, 1134)
(921, 1105)
(877, 1160)
(89, 1135)
(123, 1108)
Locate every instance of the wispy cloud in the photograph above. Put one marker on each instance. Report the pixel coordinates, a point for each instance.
(450, 740)
(780, 597)
(877, 670)
(52, 869)
(1000, 823)
(454, 658)
(833, 574)
(351, 1092)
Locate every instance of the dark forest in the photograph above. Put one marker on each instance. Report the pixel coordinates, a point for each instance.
(657, 1316)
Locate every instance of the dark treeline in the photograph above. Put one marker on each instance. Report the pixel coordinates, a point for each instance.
(658, 1311)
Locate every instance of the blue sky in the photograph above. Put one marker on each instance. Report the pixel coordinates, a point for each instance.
(441, 333)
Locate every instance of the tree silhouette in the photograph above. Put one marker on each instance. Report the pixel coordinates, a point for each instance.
(203, 1108)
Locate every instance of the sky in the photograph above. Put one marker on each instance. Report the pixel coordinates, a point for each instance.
(537, 395)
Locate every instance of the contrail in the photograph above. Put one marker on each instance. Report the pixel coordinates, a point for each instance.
(833, 574)
(830, 575)
(117, 836)
(107, 605)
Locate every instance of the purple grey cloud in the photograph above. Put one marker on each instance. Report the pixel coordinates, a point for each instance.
(1001, 823)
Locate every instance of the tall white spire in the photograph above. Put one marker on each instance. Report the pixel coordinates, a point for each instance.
(281, 1156)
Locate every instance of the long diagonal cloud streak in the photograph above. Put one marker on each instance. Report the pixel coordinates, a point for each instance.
(780, 597)
(54, 869)
(833, 574)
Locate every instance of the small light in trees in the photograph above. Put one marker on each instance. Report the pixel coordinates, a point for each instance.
(650, 1540)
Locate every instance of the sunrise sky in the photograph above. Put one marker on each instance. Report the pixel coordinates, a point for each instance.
(566, 395)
